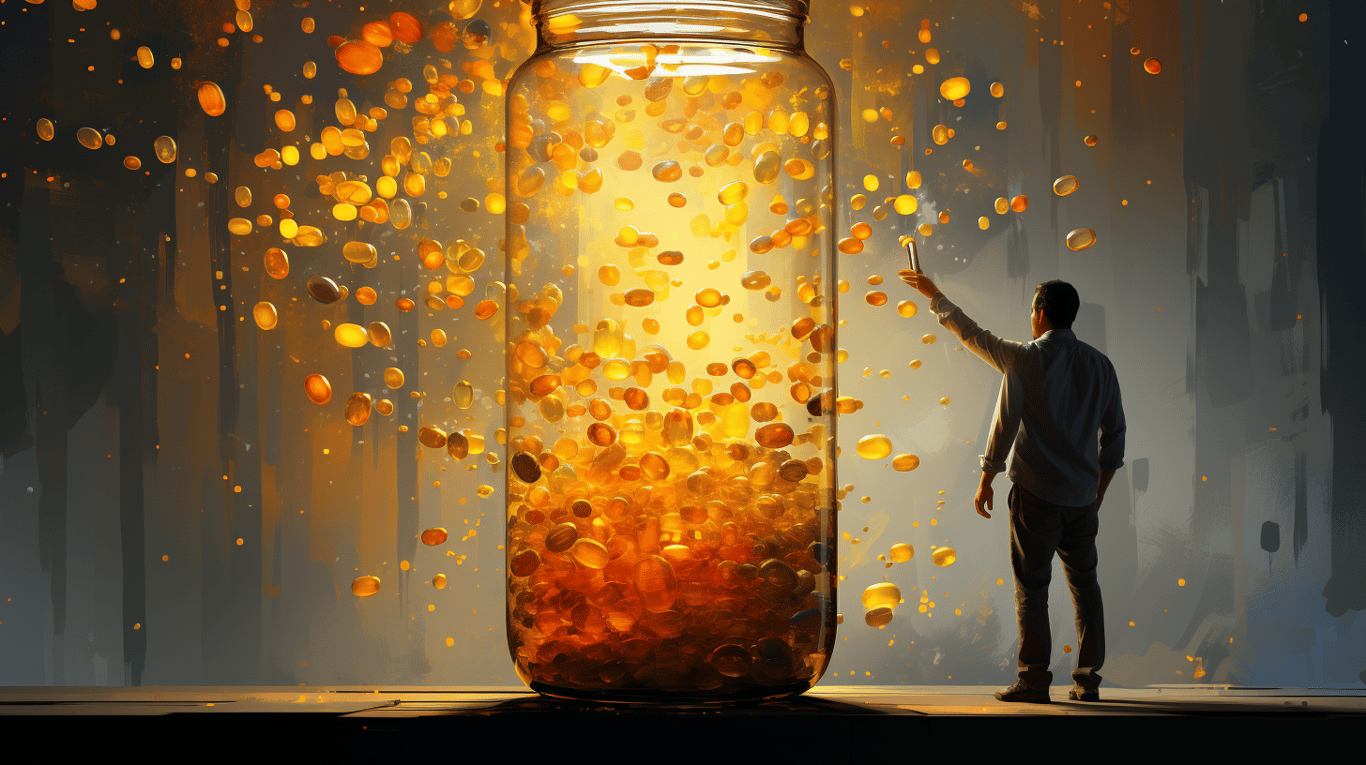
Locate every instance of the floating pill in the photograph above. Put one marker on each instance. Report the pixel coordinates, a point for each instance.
(351, 335)
(905, 462)
(874, 447)
(434, 537)
(393, 377)
(878, 617)
(359, 57)
(1152, 66)
(1065, 185)
(90, 138)
(211, 99)
(900, 553)
(365, 586)
(1080, 239)
(265, 315)
(1019, 203)
(357, 411)
(318, 389)
(954, 88)
(881, 594)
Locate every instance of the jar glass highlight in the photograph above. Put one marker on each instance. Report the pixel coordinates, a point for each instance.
(671, 353)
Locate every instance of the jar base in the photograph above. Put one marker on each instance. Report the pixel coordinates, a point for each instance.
(626, 696)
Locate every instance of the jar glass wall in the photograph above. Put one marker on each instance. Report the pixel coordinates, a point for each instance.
(671, 353)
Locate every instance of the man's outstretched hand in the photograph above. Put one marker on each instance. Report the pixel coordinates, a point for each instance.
(919, 281)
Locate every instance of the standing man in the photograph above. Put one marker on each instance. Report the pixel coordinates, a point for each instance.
(1059, 393)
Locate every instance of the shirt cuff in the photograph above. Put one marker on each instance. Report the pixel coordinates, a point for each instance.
(991, 467)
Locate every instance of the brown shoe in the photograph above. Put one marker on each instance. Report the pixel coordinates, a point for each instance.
(1023, 693)
(1079, 693)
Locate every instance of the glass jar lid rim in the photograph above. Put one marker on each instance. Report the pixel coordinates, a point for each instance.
(793, 8)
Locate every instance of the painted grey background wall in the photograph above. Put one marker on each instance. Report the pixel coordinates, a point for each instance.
(1225, 192)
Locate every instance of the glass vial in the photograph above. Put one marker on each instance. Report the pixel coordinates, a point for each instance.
(671, 352)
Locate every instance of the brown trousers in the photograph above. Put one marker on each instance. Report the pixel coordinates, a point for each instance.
(1039, 528)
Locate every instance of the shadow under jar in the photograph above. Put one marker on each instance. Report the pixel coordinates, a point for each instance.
(671, 353)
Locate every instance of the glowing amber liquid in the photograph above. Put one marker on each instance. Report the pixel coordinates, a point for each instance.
(671, 362)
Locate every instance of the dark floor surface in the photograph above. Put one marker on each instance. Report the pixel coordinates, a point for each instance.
(834, 724)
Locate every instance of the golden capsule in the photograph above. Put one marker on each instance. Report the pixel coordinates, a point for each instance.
(379, 334)
(145, 58)
(997, 90)
(434, 537)
(1090, 140)
(1080, 239)
(600, 433)
(850, 245)
(774, 435)
(653, 466)
(767, 166)
(1019, 203)
(318, 389)
(239, 226)
(1066, 185)
(900, 553)
(905, 204)
(874, 447)
(906, 309)
(365, 586)
(462, 394)
(46, 130)
(359, 57)
(1152, 66)
(1002, 205)
(944, 556)
(944, 216)
(132, 163)
(878, 617)
(905, 462)
(876, 298)
(590, 554)
(485, 309)
(755, 280)
(698, 340)
(861, 230)
(457, 446)
(276, 263)
(211, 99)
(667, 171)
(357, 411)
(915, 363)
(90, 138)
(984, 223)
(393, 377)
(265, 315)
(351, 335)
(640, 297)
(940, 134)
(881, 594)
(439, 581)
(927, 339)
(242, 195)
(431, 436)
(608, 338)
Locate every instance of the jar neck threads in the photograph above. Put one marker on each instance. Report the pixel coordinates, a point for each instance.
(768, 23)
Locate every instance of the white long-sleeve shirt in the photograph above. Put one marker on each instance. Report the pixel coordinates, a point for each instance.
(1059, 393)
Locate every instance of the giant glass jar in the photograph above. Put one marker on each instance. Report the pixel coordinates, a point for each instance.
(671, 352)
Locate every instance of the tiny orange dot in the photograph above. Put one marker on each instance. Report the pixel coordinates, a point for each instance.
(239, 541)
(1079, 83)
(1304, 17)
(165, 558)
(1204, 478)
(237, 489)
(1124, 202)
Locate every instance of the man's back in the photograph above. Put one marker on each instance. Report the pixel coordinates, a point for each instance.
(1057, 392)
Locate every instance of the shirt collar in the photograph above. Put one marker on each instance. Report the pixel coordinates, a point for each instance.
(1058, 333)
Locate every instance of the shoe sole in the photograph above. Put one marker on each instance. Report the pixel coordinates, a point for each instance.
(1083, 697)
(1044, 700)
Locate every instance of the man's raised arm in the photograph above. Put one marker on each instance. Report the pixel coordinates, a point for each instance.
(1000, 353)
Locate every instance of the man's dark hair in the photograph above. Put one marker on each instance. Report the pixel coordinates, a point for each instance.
(1059, 301)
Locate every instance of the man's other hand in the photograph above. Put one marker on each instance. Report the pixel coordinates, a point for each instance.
(985, 495)
(919, 281)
